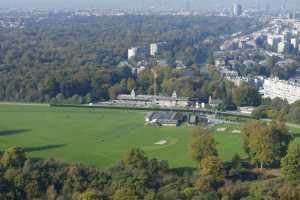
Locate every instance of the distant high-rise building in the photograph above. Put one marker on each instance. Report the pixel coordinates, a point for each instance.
(138, 52)
(295, 43)
(237, 9)
(132, 52)
(283, 47)
(154, 49)
(187, 5)
(274, 40)
(294, 13)
(268, 7)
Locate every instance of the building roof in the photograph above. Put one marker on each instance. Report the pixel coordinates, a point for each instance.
(135, 97)
(193, 119)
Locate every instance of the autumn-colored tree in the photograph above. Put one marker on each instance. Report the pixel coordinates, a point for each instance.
(202, 144)
(150, 196)
(135, 158)
(265, 144)
(131, 84)
(114, 91)
(89, 195)
(204, 184)
(13, 157)
(212, 166)
(51, 193)
(125, 193)
(262, 147)
(290, 164)
(247, 131)
(289, 192)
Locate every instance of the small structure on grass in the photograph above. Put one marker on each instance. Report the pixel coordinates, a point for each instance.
(165, 118)
(196, 119)
(246, 110)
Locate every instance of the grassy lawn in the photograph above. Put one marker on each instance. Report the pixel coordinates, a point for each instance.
(100, 137)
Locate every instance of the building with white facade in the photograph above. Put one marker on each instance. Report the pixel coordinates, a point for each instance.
(289, 90)
(287, 35)
(137, 52)
(295, 43)
(132, 52)
(274, 40)
(283, 47)
(154, 49)
(237, 9)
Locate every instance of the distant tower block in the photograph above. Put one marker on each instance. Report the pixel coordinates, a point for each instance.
(154, 50)
(188, 5)
(132, 52)
(237, 9)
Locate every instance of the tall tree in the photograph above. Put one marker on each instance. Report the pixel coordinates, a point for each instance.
(265, 144)
(125, 193)
(212, 166)
(135, 158)
(13, 157)
(290, 164)
(202, 144)
(245, 95)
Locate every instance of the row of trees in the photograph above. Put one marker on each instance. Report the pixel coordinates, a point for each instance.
(278, 108)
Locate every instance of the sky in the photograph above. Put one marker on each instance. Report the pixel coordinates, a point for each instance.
(174, 4)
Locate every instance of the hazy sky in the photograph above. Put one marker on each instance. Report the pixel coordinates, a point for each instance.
(198, 4)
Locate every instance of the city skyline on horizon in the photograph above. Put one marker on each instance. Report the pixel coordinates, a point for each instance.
(147, 4)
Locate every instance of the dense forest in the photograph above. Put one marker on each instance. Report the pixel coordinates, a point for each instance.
(76, 58)
(269, 147)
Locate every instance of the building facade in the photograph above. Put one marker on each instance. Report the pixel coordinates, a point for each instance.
(132, 53)
(274, 40)
(154, 49)
(273, 88)
(283, 47)
(152, 100)
(237, 9)
(295, 43)
(138, 52)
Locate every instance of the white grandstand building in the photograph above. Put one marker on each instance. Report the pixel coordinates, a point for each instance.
(289, 90)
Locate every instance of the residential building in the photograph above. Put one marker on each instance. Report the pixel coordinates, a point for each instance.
(155, 48)
(295, 43)
(138, 52)
(274, 40)
(287, 35)
(283, 47)
(237, 9)
(132, 52)
(289, 90)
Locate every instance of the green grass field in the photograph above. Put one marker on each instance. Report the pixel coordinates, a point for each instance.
(99, 137)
